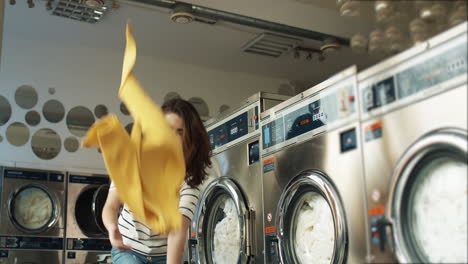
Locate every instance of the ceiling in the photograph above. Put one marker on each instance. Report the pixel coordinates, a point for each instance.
(215, 46)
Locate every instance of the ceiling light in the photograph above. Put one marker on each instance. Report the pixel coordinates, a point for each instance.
(182, 14)
(94, 3)
(330, 45)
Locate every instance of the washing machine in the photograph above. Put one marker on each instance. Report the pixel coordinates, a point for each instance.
(313, 180)
(227, 225)
(414, 128)
(86, 239)
(31, 216)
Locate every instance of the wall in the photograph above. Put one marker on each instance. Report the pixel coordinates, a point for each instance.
(88, 77)
(2, 8)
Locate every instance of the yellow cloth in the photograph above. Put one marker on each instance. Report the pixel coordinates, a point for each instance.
(148, 167)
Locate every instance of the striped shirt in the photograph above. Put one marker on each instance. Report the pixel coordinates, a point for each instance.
(144, 241)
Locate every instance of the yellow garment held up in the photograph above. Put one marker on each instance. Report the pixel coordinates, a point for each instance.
(147, 167)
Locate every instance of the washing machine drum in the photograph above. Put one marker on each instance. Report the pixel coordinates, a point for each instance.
(428, 200)
(224, 224)
(88, 210)
(32, 208)
(311, 222)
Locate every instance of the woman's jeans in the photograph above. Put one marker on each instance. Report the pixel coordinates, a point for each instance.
(130, 257)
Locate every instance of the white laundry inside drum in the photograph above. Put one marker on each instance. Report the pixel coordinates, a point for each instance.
(227, 235)
(439, 211)
(32, 208)
(314, 236)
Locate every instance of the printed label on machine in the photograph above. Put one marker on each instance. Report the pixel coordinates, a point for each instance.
(269, 165)
(373, 131)
(376, 215)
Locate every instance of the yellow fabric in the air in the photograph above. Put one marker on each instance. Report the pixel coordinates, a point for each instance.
(148, 167)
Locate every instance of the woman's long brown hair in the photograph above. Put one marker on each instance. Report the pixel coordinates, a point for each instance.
(197, 147)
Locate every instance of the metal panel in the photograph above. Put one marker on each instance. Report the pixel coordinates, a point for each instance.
(323, 153)
(398, 131)
(55, 188)
(30, 257)
(233, 163)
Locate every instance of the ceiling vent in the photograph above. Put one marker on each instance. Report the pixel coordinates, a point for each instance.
(90, 11)
(272, 45)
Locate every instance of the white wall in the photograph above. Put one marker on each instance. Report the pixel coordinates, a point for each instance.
(88, 77)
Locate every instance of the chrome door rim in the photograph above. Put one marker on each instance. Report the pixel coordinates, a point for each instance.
(323, 186)
(228, 186)
(445, 138)
(55, 208)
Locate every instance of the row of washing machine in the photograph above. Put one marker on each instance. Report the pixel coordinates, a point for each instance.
(367, 167)
(52, 217)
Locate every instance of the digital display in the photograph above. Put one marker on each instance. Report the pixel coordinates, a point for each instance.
(229, 131)
(309, 116)
(432, 71)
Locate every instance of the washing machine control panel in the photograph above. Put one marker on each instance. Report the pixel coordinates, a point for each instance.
(309, 116)
(20, 242)
(88, 179)
(234, 127)
(422, 75)
(33, 175)
(88, 244)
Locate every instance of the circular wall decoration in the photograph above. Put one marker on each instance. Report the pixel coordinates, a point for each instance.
(52, 90)
(17, 134)
(129, 128)
(200, 105)
(5, 110)
(123, 109)
(71, 144)
(171, 95)
(79, 120)
(100, 111)
(32, 118)
(53, 111)
(46, 144)
(26, 97)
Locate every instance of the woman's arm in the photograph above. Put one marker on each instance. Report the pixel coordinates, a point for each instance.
(110, 220)
(176, 242)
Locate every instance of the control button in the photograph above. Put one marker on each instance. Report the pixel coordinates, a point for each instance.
(255, 117)
(351, 98)
(71, 255)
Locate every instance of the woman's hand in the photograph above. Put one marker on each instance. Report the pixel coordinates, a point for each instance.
(116, 240)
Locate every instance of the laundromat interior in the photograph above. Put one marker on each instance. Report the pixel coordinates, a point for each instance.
(336, 131)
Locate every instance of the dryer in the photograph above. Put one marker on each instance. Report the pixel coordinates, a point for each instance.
(414, 128)
(31, 216)
(226, 227)
(86, 236)
(314, 200)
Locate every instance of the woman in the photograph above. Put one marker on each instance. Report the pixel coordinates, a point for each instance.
(132, 241)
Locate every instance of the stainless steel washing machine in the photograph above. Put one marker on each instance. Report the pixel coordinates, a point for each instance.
(314, 201)
(414, 128)
(32, 216)
(86, 236)
(227, 224)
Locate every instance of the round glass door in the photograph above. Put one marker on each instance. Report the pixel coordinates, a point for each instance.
(88, 210)
(32, 208)
(310, 221)
(222, 223)
(429, 202)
